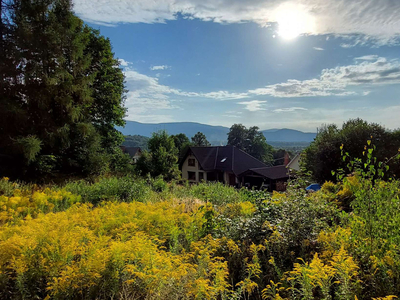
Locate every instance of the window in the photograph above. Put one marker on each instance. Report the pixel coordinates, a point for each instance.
(192, 176)
(201, 176)
(191, 162)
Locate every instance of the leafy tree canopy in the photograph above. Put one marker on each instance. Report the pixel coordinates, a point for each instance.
(324, 154)
(62, 92)
(162, 157)
(182, 143)
(200, 140)
(251, 141)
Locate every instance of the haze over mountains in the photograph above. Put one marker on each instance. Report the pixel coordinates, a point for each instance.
(213, 133)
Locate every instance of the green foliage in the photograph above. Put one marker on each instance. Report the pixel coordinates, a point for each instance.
(136, 141)
(162, 157)
(324, 154)
(182, 143)
(125, 189)
(61, 91)
(30, 146)
(251, 141)
(200, 140)
(122, 237)
(279, 156)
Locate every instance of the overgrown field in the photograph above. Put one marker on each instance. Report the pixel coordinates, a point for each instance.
(126, 238)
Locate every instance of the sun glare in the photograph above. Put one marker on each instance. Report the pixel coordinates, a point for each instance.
(293, 20)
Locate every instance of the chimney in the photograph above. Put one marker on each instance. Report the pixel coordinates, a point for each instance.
(286, 159)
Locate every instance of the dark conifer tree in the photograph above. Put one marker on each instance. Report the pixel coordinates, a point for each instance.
(63, 92)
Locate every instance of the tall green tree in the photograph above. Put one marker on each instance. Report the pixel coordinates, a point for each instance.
(324, 154)
(251, 141)
(162, 157)
(237, 136)
(182, 143)
(62, 95)
(200, 140)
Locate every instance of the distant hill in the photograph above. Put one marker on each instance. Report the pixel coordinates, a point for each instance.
(288, 135)
(136, 141)
(215, 134)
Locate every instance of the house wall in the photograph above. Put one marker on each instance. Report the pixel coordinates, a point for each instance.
(136, 157)
(196, 169)
(295, 163)
(186, 168)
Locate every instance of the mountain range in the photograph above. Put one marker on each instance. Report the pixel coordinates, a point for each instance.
(213, 133)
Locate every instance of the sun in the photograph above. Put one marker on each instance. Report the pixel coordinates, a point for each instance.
(293, 20)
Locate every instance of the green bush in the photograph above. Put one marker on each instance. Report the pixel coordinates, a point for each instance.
(124, 189)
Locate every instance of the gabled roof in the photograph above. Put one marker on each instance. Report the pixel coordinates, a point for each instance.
(224, 158)
(132, 151)
(274, 173)
(297, 157)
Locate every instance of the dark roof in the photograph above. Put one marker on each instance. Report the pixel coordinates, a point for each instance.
(278, 172)
(224, 158)
(131, 150)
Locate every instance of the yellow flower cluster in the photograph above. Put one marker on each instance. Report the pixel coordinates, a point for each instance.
(122, 248)
(28, 204)
(306, 278)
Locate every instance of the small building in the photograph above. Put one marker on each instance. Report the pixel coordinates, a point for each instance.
(134, 152)
(270, 178)
(229, 165)
(294, 164)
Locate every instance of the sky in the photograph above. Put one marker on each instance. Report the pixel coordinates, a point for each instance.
(268, 63)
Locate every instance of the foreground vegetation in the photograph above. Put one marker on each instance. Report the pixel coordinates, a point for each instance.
(132, 238)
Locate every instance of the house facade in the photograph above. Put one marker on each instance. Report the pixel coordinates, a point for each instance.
(229, 165)
(210, 164)
(294, 164)
(134, 152)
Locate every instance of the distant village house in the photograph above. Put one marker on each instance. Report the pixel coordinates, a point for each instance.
(231, 166)
(294, 164)
(134, 152)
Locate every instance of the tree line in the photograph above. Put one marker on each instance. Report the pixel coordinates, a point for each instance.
(165, 152)
(325, 156)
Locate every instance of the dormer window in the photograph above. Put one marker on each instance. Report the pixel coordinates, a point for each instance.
(191, 162)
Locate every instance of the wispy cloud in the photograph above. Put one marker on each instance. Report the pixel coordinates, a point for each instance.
(255, 105)
(163, 67)
(146, 94)
(338, 81)
(232, 114)
(372, 21)
(367, 57)
(318, 48)
(289, 109)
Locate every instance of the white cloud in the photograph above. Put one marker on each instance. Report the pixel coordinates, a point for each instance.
(223, 95)
(367, 57)
(318, 48)
(372, 18)
(146, 95)
(255, 105)
(337, 81)
(163, 67)
(289, 109)
(123, 62)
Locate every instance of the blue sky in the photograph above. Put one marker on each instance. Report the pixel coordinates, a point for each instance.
(274, 64)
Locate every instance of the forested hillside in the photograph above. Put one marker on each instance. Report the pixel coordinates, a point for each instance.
(136, 141)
